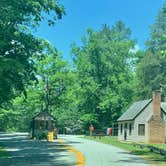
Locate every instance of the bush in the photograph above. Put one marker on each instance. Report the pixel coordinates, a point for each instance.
(41, 136)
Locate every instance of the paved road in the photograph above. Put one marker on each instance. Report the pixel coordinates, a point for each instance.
(99, 154)
(25, 152)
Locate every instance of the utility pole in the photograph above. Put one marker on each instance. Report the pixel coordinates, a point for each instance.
(47, 94)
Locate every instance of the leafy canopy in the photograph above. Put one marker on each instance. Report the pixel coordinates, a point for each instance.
(103, 65)
(151, 71)
(17, 43)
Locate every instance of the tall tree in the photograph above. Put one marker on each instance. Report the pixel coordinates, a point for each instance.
(103, 64)
(54, 79)
(151, 70)
(18, 44)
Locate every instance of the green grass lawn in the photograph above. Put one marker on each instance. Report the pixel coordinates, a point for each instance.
(156, 159)
(3, 152)
(161, 146)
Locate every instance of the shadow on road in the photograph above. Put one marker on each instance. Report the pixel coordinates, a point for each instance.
(73, 142)
(25, 152)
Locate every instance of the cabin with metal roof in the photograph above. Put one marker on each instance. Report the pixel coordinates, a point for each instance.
(42, 123)
(144, 121)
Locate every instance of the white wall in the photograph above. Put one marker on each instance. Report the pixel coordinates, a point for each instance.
(140, 119)
(164, 118)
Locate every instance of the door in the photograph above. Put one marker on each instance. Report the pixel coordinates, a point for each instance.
(125, 131)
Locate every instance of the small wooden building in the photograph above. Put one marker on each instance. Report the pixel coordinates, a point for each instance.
(144, 121)
(42, 123)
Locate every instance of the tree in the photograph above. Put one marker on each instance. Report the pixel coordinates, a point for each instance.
(156, 43)
(151, 71)
(18, 44)
(63, 89)
(62, 99)
(104, 70)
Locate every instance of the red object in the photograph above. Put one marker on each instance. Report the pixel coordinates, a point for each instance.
(110, 131)
(91, 128)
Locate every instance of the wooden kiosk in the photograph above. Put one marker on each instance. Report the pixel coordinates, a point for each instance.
(43, 126)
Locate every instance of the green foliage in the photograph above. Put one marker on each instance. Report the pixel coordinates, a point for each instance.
(18, 45)
(62, 97)
(151, 73)
(157, 41)
(103, 65)
(151, 70)
(106, 73)
(88, 119)
(42, 135)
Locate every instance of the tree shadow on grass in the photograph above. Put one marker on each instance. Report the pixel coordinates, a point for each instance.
(131, 158)
(24, 152)
(154, 158)
(140, 152)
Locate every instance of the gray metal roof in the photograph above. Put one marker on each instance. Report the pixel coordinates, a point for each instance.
(134, 110)
(44, 115)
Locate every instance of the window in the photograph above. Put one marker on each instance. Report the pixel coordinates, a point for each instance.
(121, 128)
(141, 129)
(130, 128)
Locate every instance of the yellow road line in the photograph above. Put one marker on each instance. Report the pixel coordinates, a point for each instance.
(60, 140)
(79, 156)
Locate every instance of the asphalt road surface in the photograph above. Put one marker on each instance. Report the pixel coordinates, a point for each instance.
(26, 152)
(99, 154)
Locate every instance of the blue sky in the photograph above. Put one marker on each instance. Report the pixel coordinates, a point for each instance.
(138, 15)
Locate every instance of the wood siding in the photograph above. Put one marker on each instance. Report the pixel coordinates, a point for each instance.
(142, 118)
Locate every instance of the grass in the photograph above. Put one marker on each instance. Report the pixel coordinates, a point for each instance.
(155, 159)
(3, 152)
(161, 146)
